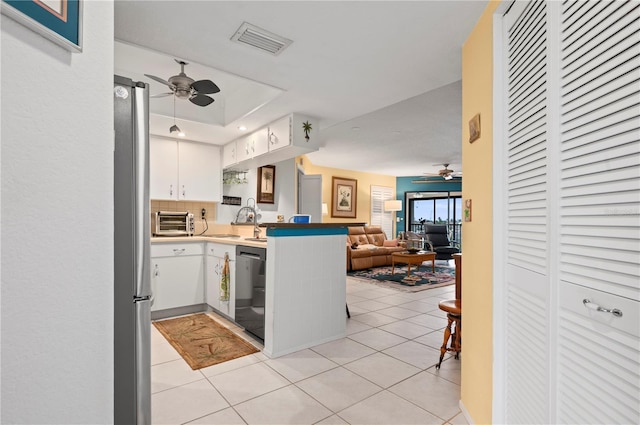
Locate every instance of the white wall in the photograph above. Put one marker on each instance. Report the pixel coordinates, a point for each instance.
(57, 225)
(284, 195)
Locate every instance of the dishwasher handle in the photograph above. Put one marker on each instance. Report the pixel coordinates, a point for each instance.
(250, 255)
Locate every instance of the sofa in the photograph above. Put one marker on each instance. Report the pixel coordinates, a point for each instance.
(368, 246)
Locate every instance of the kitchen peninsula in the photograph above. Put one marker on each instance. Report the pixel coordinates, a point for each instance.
(305, 287)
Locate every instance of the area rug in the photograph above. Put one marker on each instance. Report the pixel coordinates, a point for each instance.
(201, 341)
(420, 279)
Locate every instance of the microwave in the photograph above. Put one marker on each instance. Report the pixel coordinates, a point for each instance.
(171, 223)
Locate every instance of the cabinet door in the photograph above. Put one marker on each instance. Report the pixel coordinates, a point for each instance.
(260, 141)
(280, 133)
(163, 169)
(229, 154)
(177, 282)
(242, 149)
(215, 264)
(212, 277)
(199, 169)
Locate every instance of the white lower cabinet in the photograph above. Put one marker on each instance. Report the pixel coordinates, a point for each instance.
(177, 275)
(214, 267)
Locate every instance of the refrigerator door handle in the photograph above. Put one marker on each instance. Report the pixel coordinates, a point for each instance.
(143, 229)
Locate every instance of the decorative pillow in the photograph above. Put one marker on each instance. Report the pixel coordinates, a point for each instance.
(392, 242)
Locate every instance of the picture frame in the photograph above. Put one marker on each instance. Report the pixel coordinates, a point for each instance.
(474, 128)
(266, 184)
(60, 21)
(344, 197)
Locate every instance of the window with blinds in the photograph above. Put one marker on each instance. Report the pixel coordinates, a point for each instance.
(380, 217)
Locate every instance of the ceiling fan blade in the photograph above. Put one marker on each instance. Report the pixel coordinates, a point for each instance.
(162, 94)
(205, 87)
(160, 80)
(201, 100)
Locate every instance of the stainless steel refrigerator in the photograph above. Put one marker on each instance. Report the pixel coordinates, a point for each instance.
(132, 232)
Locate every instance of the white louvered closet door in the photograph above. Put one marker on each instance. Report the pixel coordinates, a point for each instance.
(380, 217)
(527, 285)
(599, 353)
(573, 212)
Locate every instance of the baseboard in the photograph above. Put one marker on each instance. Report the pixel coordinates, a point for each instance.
(178, 311)
(465, 413)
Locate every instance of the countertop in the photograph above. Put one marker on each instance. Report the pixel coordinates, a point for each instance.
(240, 240)
(245, 240)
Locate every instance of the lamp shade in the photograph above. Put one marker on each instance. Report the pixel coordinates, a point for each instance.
(393, 205)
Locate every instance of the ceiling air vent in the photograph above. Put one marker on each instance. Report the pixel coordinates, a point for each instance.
(260, 39)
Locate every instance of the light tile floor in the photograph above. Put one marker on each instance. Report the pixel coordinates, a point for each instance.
(383, 372)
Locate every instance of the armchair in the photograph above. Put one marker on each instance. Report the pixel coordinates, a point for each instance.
(438, 240)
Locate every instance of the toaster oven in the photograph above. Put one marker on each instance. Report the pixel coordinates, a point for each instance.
(171, 223)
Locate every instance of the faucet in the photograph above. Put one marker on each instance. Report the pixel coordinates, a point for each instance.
(256, 229)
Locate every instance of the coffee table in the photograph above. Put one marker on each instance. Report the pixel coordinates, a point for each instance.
(415, 259)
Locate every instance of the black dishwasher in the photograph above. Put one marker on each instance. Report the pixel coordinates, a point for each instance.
(251, 263)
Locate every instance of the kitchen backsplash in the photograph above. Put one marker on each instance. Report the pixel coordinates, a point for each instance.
(193, 207)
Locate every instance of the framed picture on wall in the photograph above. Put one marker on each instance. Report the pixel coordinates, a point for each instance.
(344, 194)
(60, 21)
(266, 184)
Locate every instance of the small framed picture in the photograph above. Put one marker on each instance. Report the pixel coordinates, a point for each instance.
(59, 21)
(474, 128)
(344, 194)
(266, 184)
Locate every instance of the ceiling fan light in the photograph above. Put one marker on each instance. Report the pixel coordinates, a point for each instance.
(448, 177)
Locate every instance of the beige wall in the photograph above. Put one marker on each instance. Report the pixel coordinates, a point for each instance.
(365, 181)
(477, 273)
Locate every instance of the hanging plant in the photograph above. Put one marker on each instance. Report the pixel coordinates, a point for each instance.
(306, 126)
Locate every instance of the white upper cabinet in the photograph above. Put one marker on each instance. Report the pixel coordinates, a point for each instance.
(260, 141)
(163, 169)
(199, 174)
(282, 139)
(280, 133)
(181, 170)
(243, 148)
(229, 154)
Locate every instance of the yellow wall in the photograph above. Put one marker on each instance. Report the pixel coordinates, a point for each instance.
(365, 181)
(477, 292)
(477, 273)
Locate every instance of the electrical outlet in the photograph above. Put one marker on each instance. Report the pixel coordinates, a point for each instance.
(204, 213)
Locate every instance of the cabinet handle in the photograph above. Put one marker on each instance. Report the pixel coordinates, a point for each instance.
(246, 148)
(593, 306)
(178, 250)
(273, 139)
(183, 192)
(170, 190)
(156, 270)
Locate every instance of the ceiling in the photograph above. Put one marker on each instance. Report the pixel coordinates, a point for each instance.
(382, 77)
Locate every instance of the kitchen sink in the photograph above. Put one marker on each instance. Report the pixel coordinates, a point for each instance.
(223, 235)
(256, 239)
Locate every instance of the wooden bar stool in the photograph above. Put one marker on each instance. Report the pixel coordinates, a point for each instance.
(453, 339)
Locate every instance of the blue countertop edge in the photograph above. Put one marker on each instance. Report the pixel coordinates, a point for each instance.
(312, 229)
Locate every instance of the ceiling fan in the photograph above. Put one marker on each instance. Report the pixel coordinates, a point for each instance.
(185, 87)
(446, 173)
